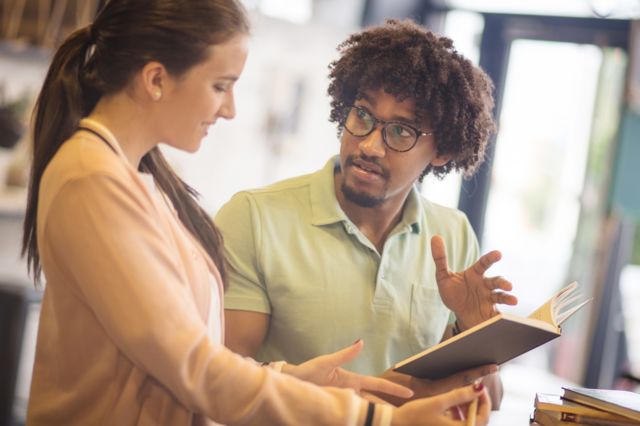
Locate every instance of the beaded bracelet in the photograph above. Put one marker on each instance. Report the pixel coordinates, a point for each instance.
(456, 328)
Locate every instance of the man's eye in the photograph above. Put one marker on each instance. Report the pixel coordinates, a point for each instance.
(220, 88)
(400, 131)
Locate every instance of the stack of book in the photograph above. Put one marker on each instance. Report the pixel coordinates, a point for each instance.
(582, 406)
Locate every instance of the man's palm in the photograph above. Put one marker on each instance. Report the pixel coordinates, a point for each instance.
(469, 294)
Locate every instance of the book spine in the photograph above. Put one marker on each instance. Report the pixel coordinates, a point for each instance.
(586, 420)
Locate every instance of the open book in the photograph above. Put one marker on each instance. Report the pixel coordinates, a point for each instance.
(496, 340)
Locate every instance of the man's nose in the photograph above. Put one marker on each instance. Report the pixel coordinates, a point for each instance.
(373, 144)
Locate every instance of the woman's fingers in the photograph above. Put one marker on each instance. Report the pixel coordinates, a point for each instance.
(342, 356)
(484, 409)
(376, 384)
(460, 396)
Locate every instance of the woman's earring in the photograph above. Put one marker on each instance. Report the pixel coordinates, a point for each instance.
(157, 94)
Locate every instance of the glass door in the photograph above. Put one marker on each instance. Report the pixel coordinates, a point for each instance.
(555, 139)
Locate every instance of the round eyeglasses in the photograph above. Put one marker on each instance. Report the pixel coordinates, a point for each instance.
(396, 135)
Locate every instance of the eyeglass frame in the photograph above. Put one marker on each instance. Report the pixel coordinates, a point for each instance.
(419, 132)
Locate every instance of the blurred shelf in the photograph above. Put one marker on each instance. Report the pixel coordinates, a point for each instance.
(13, 202)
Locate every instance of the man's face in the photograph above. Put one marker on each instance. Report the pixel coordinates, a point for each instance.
(372, 174)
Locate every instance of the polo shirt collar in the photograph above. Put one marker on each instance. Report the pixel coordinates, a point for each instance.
(326, 210)
(412, 211)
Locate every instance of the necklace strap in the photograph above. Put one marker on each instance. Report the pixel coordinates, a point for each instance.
(102, 138)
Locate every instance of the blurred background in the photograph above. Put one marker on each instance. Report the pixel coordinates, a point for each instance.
(559, 194)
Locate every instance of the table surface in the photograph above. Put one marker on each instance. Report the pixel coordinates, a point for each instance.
(521, 382)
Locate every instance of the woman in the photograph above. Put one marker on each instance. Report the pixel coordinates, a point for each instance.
(130, 329)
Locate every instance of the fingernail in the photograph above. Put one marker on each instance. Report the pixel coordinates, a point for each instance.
(356, 342)
(478, 387)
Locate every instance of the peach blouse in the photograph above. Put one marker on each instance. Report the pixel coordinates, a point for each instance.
(123, 329)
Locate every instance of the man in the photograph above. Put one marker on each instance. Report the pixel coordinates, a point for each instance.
(318, 261)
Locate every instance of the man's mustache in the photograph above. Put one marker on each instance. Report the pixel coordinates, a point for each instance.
(350, 161)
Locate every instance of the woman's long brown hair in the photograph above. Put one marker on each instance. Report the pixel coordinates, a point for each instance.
(101, 59)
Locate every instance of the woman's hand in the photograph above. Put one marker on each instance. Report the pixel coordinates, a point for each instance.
(447, 409)
(470, 295)
(325, 371)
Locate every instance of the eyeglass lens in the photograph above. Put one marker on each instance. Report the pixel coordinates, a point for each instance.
(398, 136)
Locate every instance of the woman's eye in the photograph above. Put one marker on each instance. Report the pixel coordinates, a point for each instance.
(220, 88)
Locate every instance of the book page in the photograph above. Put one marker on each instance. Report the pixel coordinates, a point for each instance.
(556, 310)
(545, 313)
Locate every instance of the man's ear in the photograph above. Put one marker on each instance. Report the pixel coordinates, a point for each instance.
(154, 78)
(440, 160)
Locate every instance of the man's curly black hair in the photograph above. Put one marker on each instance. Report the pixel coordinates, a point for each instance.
(407, 61)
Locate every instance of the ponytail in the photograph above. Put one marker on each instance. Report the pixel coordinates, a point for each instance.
(58, 110)
(183, 199)
(101, 59)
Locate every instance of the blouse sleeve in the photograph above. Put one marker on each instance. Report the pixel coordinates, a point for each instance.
(104, 233)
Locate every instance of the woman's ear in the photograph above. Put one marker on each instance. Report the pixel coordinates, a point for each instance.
(154, 76)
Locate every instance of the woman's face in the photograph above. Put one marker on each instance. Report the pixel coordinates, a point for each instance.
(194, 101)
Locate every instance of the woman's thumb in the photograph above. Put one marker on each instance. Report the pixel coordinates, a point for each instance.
(461, 396)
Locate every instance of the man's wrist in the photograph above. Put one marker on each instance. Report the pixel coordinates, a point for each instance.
(457, 328)
(464, 324)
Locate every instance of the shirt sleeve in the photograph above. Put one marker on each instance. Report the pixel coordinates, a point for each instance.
(105, 234)
(471, 245)
(239, 223)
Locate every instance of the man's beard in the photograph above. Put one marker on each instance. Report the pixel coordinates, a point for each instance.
(360, 198)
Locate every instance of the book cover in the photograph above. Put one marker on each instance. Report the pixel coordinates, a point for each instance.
(544, 418)
(496, 340)
(553, 418)
(569, 411)
(623, 403)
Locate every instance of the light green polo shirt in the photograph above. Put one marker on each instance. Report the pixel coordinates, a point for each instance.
(295, 255)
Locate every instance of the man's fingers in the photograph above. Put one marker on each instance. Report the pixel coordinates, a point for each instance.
(439, 253)
(485, 262)
(498, 283)
(504, 299)
(469, 376)
(462, 378)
